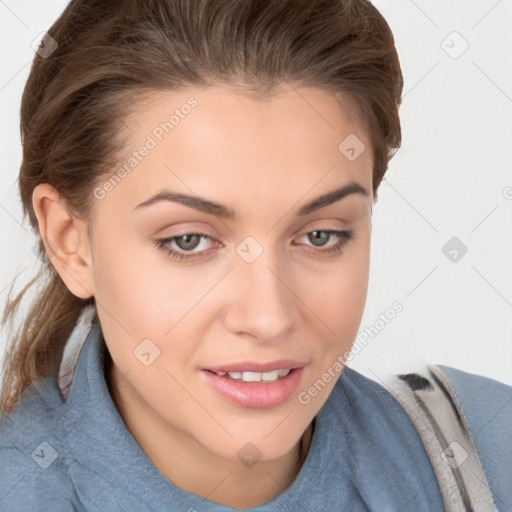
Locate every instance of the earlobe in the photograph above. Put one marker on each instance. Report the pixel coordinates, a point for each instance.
(65, 239)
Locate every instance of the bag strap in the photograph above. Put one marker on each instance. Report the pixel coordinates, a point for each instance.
(430, 401)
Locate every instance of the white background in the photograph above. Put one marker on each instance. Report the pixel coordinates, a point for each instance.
(451, 178)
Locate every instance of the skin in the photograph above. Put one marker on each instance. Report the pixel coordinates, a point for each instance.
(264, 159)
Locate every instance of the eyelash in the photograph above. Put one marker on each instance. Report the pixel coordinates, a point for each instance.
(344, 238)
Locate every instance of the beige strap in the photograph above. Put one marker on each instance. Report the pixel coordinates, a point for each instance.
(430, 401)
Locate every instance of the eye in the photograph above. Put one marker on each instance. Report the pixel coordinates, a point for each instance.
(187, 242)
(318, 237)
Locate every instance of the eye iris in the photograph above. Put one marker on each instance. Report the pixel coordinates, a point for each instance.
(314, 238)
(191, 241)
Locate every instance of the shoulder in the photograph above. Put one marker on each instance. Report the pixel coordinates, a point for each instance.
(32, 455)
(36, 415)
(359, 387)
(485, 404)
(374, 407)
(487, 407)
(486, 401)
(465, 423)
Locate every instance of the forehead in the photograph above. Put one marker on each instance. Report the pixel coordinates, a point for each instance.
(222, 143)
(300, 112)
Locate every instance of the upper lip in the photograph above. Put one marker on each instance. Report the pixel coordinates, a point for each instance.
(255, 366)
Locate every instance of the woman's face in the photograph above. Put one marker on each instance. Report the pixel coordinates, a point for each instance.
(264, 288)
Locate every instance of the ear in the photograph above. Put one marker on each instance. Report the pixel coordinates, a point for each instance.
(65, 239)
(372, 204)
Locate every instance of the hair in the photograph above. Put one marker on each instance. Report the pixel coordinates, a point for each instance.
(110, 53)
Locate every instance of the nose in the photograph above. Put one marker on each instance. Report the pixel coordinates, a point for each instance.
(262, 300)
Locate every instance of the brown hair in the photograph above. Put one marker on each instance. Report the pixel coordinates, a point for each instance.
(110, 52)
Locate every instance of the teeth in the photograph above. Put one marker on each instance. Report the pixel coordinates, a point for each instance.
(256, 376)
(270, 376)
(251, 377)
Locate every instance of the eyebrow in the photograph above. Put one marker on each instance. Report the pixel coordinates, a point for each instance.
(222, 211)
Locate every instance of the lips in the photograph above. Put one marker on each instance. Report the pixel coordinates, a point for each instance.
(256, 385)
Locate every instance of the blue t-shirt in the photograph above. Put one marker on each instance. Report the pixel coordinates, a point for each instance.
(76, 454)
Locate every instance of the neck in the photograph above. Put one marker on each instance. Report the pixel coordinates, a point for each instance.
(198, 471)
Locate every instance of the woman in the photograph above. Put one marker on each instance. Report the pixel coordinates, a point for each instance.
(201, 176)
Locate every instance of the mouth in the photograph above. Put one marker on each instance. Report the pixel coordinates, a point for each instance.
(246, 387)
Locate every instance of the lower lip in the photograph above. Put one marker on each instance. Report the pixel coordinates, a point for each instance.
(255, 395)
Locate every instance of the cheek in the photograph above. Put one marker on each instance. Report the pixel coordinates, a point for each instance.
(140, 297)
(339, 291)
(337, 297)
(144, 294)
(128, 272)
